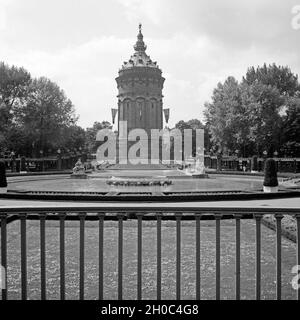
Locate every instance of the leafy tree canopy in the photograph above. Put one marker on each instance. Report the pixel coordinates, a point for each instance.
(257, 114)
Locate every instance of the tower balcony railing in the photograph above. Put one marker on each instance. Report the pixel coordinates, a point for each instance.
(101, 214)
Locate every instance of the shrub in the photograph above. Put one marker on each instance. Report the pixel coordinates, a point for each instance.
(270, 173)
(254, 164)
(3, 181)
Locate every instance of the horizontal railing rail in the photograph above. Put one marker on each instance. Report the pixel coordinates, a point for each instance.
(150, 208)
(140, 213)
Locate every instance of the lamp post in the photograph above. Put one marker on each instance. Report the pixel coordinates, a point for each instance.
(59, 159)
(219, 161)
(265, 154)
(13, 161)
(43, 164)
(277, 162)
(237, 159)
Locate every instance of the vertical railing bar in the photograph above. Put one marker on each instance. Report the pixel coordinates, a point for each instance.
(82, 216)
(139, 260)
(3, 217)
(120, 258)
(298, 249)
(258, 218)
(101, 241)
(62, 217)
(198, 273)
(23, 256)
(238, 257)
(278, 255)
(43, 254)
(218, 255)
(178, 255)
(158, 293)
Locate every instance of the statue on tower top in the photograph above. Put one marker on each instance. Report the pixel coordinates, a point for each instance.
(140, 57)
(140, 45)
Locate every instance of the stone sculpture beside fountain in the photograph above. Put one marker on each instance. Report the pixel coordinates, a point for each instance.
(79, 171)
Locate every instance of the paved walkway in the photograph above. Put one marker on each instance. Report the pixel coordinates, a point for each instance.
(267, 203)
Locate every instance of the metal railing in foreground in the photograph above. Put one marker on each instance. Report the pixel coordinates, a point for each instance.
(142, 213)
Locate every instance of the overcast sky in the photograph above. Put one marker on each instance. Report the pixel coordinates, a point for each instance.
(81, 44)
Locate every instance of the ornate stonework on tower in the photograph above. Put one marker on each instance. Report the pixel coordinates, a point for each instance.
(140, 85)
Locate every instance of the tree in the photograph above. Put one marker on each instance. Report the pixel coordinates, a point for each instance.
(227, 127)
(14, 84)
(74, 137)
(193, 124)
(35, 114)
(258, 114)
(286, 83)
(45, 115)
(263, 104)
(276, 76)
(290, 143)
(91, 134)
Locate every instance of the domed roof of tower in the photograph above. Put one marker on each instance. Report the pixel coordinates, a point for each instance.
(140, 58)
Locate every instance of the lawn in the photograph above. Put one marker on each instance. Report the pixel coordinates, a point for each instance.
(149, 260)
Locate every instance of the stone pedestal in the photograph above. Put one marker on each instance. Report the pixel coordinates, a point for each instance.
(270, 189)
(3, 190)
